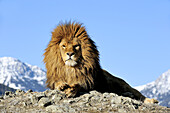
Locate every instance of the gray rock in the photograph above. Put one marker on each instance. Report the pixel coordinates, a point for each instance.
(50, 93)
(71, 110)
(106, 95)
(94, 92)
(34, 99)
(126, 100)
(44, 102)
(28, 102)
(1, 97)
(136, 102)
(65, 108)
(24, 104)
(71, 101)
(122, 111)
(8, 94)
(19, 92)
(54, 108)
(113, 94)
(96, 99)
(15, 102)
(93, 102)
(29, 91)
(40, 95)
(116, 100)
(56, 98)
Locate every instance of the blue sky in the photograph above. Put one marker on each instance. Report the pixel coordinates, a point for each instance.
(133, 36)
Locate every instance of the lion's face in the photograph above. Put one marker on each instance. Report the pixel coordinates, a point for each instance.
(70, 51)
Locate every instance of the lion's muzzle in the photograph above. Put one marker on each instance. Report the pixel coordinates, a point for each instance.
(70, 62)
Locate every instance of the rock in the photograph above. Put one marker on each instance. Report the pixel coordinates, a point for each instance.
(105, 95)
(27, 102)
(94, 92)
(71, 110)
(122, 111)
(19, 92)
(95, 99)
(56, 98)
(113, 94)
(54, 108)
(40, 95)
(56, 101)
(34, 99)
(8, 94)
(15, 102)
(50, 93)
(1, 97)
(29, 91)
(136, 104)
(116, 100)
(44, 102)
(37, 96)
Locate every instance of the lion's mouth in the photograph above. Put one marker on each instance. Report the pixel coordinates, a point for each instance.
(69, 59)
(70, 62)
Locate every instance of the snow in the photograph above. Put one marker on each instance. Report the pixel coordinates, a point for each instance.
(19, 75)
(154, 90)
(161, 85)
(140, 88)
(159, 89)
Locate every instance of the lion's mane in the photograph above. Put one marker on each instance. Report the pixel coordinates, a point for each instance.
(86, 73)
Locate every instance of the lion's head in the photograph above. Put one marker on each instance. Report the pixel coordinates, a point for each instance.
(71, 57)
(70, 51)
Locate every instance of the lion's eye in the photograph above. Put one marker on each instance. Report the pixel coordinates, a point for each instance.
(63, 46)
(77, 47)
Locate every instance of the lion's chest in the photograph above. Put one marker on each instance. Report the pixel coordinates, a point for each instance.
(73, 76)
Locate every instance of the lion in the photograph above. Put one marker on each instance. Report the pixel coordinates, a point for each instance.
(72, 63)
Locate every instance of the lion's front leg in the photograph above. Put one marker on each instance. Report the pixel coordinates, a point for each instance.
(60, 86)
(69, 90)
(72, 90)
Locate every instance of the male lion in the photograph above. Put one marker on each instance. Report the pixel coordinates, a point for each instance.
(72, 63)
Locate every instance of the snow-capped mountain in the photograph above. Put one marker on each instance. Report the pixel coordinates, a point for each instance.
(19, 75)
(158, 89)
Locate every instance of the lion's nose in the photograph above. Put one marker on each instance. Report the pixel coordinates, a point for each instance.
(70, 54)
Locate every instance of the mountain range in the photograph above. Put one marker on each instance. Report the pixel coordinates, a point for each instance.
(158, 89)
(18, 75)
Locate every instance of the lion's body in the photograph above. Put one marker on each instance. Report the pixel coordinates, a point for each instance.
(120, 87)
(72, 63)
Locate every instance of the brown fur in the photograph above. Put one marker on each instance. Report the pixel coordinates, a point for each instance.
(87, 74)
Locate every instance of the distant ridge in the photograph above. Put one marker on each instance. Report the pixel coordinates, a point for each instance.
(19, 75)
(4, 88)
(159, 89)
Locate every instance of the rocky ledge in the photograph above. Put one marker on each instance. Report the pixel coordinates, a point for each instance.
(56, 101)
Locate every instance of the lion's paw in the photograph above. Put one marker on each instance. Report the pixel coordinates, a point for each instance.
(72, 90)
(61, 86)
(148, 100)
